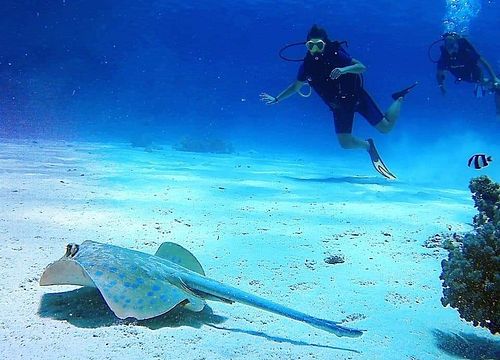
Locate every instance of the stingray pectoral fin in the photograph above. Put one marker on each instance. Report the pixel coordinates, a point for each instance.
(65, 272)
(180, 256)
(144, 302)
(133, 294)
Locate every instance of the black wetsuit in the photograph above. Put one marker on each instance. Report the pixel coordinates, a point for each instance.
(344, 95)
(463, 64)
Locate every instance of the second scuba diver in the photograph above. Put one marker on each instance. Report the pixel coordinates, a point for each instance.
(336, 77)
(460, 58)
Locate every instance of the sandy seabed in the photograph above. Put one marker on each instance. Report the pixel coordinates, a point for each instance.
(262, 223)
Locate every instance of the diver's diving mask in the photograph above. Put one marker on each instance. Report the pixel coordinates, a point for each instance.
(319, 44)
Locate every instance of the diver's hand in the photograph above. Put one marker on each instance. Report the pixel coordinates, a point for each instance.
(443, 89)
(337, 72)
(268, 99)
(496, 83)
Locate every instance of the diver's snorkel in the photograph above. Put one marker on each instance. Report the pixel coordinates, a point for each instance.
(289, 46)
(280, 53)
(429, 49)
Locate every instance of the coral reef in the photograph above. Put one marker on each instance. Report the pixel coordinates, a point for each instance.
(471, 274)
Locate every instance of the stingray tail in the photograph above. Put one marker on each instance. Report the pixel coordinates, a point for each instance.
(333, 327)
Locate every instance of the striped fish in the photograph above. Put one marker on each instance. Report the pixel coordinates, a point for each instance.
(479, 161)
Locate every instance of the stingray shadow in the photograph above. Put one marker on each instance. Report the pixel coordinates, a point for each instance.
(86, 308)
(363, 180)
(467, 346)
(280, 339)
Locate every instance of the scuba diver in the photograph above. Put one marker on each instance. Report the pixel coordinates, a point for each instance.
(460, 58)
(336, 77)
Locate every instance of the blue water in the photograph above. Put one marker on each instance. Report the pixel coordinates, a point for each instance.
(107, 70)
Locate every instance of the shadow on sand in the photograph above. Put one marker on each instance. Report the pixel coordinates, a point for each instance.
(364, 180)
(280, 339)
(85, 308)
(467, 346)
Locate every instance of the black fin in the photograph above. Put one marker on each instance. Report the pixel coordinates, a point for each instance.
(404, 92)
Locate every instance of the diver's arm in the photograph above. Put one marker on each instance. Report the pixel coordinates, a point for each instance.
(483, 61)
(289, 91)
(356, 67)
(490, 69)
(440, 80)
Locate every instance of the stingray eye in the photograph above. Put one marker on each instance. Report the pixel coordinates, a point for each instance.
(68, 250)
(74, 249)
(71, 250)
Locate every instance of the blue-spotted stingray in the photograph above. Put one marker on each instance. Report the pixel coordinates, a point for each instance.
(142, 286)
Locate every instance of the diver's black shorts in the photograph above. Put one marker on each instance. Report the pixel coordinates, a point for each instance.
(343, 114)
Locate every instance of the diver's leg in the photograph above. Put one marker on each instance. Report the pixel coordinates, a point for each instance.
(481, 83)
(392, 114)
(348, 141)
(371, 112)
(343, 117)
(477, 76)
(390, 117)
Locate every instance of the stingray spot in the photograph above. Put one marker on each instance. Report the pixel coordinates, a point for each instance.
(127, 301)
(140, 301)
(150, 293)
(156, 288)
(139, 281)
(163, 297)
(111, 284)
(121, 276)
(127, 284)
(113, 269)
(98, 273)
